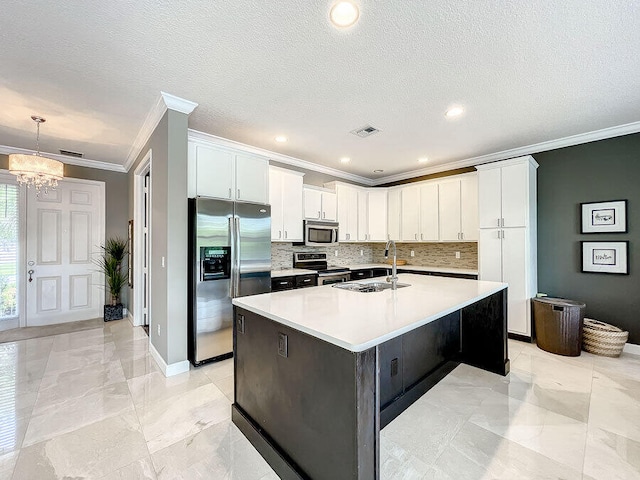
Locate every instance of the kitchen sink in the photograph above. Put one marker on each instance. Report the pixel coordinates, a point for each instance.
(367, 287)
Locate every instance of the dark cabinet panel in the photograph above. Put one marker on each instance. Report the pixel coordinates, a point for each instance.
(390, 370)
(380, 272)
(310, 280)
(282, 283)
(427, 347)
(361, 274)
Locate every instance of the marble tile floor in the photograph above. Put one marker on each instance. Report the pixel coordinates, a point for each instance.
(93, 405)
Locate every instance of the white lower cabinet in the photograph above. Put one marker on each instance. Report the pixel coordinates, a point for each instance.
(502, 256)
(285, 197)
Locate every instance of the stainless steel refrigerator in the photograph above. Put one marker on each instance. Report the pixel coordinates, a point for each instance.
(230, 256)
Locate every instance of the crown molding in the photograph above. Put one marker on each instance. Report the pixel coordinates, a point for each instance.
(178, 104)
(570, 141)
(195, 135)
(80, 162)
(165, 102)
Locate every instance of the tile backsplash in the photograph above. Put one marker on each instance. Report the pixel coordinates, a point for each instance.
(426, 254)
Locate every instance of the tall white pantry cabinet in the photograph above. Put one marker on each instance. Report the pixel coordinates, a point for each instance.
(508, 235)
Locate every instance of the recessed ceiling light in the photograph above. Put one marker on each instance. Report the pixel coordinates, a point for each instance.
(345, 159)
(454, 112)
(344, 14)
(378, 171)
(281, 139)
(423, 159)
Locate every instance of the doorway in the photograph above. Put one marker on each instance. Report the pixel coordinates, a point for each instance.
(65, 228)
(142, 243)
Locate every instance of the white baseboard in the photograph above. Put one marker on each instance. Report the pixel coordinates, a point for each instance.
(168, 370)
(631, 348)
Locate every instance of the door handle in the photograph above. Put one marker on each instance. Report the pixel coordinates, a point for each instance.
(229, 192)
(318, 213)
(279, 233)
(324, 215)
(238, 193)
(30, 272)
(285, 234)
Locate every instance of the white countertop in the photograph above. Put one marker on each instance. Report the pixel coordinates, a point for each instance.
(291, 272)
(418, 268)
(358, 321)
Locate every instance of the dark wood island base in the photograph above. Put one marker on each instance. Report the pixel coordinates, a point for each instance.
(314, 410)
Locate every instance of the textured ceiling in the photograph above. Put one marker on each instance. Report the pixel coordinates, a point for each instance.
(526, 72)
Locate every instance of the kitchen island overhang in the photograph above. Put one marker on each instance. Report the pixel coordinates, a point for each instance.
(318, 373)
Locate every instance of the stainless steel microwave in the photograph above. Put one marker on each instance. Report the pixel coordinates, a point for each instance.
(320, 234)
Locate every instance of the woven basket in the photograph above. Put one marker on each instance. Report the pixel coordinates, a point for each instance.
(603, 339)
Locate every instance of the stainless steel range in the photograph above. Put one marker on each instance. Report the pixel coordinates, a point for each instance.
(318, 261)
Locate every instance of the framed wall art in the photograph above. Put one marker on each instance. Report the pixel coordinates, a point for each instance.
(605, 257)
(604, 217)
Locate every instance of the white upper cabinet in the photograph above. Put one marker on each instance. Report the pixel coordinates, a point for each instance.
(377, 214)
(372, 215)
(459, 209)
(347, 210)
(213, 172)
(504, 196)
(252, 178)
(363, 216)
(469, 207)
(394, 213)
(410, 215)
(285, 197)
(429, 213)
(319, 204)
(227, 174)
(347, 197)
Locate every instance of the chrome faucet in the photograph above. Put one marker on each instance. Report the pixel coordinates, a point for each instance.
(394, 266)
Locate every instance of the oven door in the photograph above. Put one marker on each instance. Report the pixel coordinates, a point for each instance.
(320, 234)
(331, 279)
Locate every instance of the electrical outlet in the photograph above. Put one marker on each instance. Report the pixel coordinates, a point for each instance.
(457, 254)
(336, 253)
(413, 254)
(362, 253)
(158, 329)
(283, 345)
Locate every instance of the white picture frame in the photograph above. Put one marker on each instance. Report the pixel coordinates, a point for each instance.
(604, 217)
(605, 257)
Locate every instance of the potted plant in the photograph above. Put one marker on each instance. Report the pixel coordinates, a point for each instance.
(110, 262)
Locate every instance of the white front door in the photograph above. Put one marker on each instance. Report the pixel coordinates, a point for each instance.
(65, 229)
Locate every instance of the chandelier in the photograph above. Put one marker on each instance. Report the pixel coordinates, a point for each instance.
(36, 170)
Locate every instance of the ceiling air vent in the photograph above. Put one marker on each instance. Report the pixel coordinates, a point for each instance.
(69, 153)
(365, 131)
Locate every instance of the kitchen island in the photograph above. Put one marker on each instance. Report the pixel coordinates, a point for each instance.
(319, 371)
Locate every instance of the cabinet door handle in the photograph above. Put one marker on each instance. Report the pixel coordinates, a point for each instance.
(422, 236)
(284, 283)
(279, 233)
(416, 236)
(502, 222)
(229, 192)
(238, 193)
(461, 235)
(318, 213)
(324, 215)
(499, 222)
(285, 234)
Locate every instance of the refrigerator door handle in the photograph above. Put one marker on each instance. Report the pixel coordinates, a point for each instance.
(236, 279)
(233, 255)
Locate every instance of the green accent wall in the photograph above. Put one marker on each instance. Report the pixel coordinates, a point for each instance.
(591, 172)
